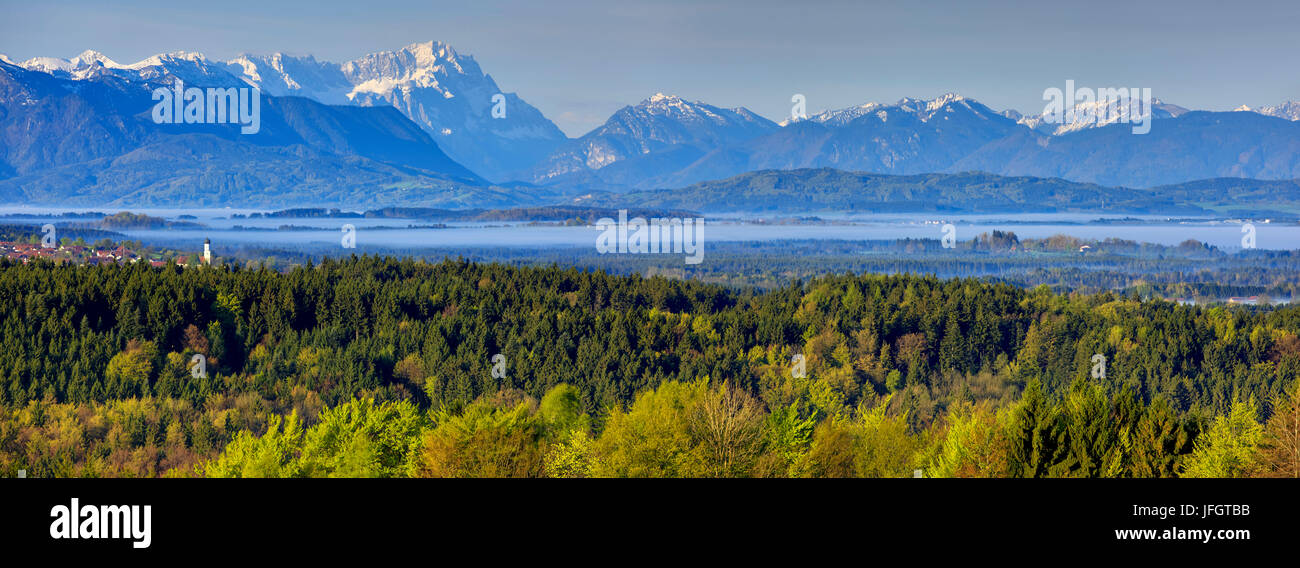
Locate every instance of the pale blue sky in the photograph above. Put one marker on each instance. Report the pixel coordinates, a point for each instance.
(580, 60)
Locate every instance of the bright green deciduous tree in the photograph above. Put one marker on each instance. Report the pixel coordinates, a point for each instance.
(485, 440)
(1228, 447)
(273, 454)
(363, 439)
(359, 438)
(651, 439)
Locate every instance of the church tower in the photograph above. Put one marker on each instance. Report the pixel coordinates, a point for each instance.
(207, 252)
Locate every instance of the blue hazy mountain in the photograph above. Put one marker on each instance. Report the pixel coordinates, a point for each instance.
(387, 129)
(911, 136)
(1192, 146)
(830, 190)
(445, 92)
(956, 134)
(642, 143)
(93, 140)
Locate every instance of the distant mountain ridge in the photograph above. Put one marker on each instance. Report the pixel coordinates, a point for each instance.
(92, 141)
(830, 190)
(911, 136)
(1193, 146)
(661, 133)
(1289, 110)
(948, 134)
(1096, 114)
(443, 91)
(664, 141)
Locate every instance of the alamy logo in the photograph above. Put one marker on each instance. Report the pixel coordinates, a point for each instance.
(658, 235)
(214, 105)
(799, 366)
(48, 239)
(949, 239)
(800, 109)
(349, 239)
(76, 521)
(199, 366)
(498, 106)
(498, 366)
(1098, 366)
(1102, 106)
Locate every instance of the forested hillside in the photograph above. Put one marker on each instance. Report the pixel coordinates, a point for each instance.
(799, 191)
(380, 367)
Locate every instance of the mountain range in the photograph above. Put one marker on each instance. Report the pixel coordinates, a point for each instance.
(447, 94)
(425, 125)
(1289, 110)
(638, 143)
(92, 141)
(953, 134)
(801, 191)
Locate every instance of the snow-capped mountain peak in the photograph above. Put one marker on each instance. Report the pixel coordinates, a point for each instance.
(425, 64)
(92, 57)
(946, 99)
(660, 129)
(680, 109)
(443, 91)
(1289, 110)
(839, 117)
(279, 74)
(433, 54)
(664, 101)
(191, 67)
(1094, 114)
(47, 64)
(55, 65)
(923, 109)
(169, 58)
(926, 110)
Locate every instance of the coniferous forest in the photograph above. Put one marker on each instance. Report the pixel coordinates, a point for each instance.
(378, 367)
